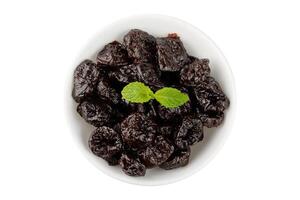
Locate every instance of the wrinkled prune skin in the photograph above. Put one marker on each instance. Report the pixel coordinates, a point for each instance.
(194, 73)
(106, 92)
(132, 166)
(169, 114)
(166, 131)
(95, 113)
(106, 143)
(143, 72)
(212, 120)
(157, 153)
(125, 74)
(189, 132)
(85, 80)
(113, 54)
(171, 53)
(210, 97)
(148, 74)
(138, 130)
(179, 158)
(141, 46)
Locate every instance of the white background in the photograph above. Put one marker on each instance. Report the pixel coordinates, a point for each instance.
(38, 42)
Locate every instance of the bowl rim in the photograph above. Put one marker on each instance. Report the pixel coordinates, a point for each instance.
(232, 107)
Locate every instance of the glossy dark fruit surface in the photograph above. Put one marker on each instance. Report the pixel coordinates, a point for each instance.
(85, 79)
(212, 120)
(140, 46)
(138, 136)
(132, 166)
(143, 72)
(189, 132)
(138, 130)
(171, 53)
(194, 73)
(95, 113)
(179, 158)
(106, 92)
(158, 152)
(105, 143)
(113, 54)
(210, 96)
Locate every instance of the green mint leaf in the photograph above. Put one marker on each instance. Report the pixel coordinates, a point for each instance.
(137, 92)
(171, 97)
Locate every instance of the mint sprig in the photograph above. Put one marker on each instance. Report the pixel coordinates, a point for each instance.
(137, 92)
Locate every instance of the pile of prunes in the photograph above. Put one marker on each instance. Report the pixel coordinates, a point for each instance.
(140, 136)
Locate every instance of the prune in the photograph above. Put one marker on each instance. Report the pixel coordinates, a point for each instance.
(166, 131)
(97, 114)
(106, 143)
(210, 96)
(179, 158)
(132, 166)
(148, 74)
(212, 120)
(137, 72)
(189, 132)
(194, 73)
(140, 46)
(125, 74)
(157, 153)
(171, 53)
(138, 130)
(106, 92)
(113, 54)
(85, 80)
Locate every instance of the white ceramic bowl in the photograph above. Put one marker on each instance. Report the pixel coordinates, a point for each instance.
(196, 44)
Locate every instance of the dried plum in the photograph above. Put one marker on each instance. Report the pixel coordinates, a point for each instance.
(148, 74)
(166, 131)
(140, 46)
(189, 132)
(137, 72)
(125, 74)
(106, 143)
(106, 92)
(132, 166)
(138, 130)
(97, 114)
(210, 97)
(212, 120)
(157, 153)
(194, 73)
(171, 53)
(113, 54)
(85, 80)
(179, 158)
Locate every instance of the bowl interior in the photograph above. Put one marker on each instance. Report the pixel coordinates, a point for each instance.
(196, 44)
